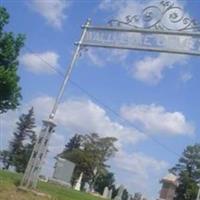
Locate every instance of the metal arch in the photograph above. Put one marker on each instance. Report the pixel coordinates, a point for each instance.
(164, 16)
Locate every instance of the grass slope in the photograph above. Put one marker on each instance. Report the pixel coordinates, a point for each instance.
(8, 190)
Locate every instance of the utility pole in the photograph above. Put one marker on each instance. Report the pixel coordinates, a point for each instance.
(39, 152)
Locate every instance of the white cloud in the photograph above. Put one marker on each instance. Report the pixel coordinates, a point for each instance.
(52, 10)
(102, 57)
(139, 164)
(186, 76)
(74, 115)
(151, 69)
(143, 172)
(7, 126)
(40, 63)
(94, 57)
(85, 116)
(156, 119)
(107, 4)
(121, 8)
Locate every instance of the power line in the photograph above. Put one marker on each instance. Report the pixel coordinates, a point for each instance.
(44, 61)
(103, 104)
(121, 118)
(59, 73)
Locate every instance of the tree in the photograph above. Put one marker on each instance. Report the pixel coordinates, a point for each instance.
(28, 148)
(188, 170)
(83, 161)
(10, 47)
(23, 141)
(125, 194)
(5, 159)
(101, 149)
(187, 189)
(114, 191)
(92, 154)
(104, 180)
(74, 143)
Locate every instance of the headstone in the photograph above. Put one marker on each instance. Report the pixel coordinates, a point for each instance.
(129, 197)
(78, 183)
(138, 196)
(63, 171)
(95, 171)
(87, 187)
(110, 194)
(120, 192)
(105, 193)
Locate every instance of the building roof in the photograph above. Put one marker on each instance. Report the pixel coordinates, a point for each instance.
(170, 178)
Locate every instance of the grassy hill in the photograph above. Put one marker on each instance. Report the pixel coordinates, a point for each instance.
(9, 191)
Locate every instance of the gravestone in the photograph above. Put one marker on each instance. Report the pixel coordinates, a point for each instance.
(110, 194)
(78, 183)
(105, 193)
(129, 197)
(138, 196)
(120, 193)
(63, 171)
(87, 187)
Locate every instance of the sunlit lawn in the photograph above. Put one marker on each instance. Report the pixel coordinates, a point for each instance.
(9, 191)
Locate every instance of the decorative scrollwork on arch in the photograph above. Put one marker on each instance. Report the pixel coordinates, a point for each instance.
(164, 16)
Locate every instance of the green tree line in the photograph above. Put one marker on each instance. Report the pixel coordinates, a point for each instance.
(21, 145)
(188, 172)
(10, 46)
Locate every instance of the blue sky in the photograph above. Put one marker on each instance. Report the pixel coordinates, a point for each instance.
(156, 93)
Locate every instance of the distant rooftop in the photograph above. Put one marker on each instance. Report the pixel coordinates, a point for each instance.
(170, 178)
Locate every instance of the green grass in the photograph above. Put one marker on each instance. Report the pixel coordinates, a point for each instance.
(8, 190)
